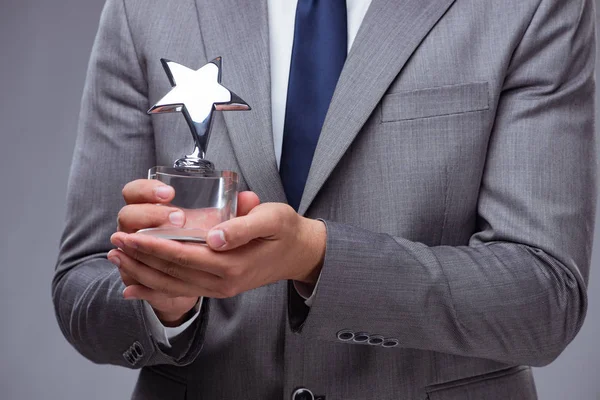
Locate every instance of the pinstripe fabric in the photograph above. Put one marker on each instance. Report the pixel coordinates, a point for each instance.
(455, 172)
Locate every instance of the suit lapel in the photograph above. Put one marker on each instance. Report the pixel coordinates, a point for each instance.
(238, 31)
(389, 34)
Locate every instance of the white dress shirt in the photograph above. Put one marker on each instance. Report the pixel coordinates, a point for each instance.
(282, 15)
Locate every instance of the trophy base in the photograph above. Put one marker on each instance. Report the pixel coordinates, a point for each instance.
(194, 235)
(207, 198)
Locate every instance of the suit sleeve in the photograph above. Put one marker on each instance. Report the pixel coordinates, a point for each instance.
(114, 145)
(516, 292)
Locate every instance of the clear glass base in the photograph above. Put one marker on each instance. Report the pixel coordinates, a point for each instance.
(179, 234)
(206, 198)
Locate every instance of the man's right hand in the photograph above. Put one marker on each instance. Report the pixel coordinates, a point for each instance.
(147, 207)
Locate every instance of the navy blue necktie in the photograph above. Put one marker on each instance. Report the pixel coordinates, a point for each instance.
(318, 55)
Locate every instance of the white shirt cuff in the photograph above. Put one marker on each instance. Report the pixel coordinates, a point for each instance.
(163, 333)
(305, 291)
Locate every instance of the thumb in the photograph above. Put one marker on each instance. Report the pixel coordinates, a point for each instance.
(263, 222)
(246, 202)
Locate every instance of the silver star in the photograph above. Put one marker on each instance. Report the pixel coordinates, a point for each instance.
(197, 94)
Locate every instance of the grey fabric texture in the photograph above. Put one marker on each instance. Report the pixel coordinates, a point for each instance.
(455, 172)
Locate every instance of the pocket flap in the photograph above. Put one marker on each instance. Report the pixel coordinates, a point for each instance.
(153, 384)
(511, 384)
(437, 101)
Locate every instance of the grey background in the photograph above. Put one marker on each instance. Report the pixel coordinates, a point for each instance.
(44, 49)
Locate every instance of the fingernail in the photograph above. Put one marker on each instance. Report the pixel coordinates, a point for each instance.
(129, 297)
(216, 239)
(163, 191)
(177, 218)
(114, 260)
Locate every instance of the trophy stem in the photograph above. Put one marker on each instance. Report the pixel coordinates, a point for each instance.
(195, 162)
(197, 153)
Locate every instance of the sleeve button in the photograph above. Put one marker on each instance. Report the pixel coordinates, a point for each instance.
(390, 343)
(138, 349)
(302, 394)
(376, 340)
(345, 335)
(361, 337)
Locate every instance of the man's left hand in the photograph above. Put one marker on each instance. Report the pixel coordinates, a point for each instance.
(270, 244)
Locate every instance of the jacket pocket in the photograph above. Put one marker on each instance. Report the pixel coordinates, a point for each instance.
(514, 383)
(433, 102)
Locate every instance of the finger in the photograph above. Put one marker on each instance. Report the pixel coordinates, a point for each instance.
(134, 217)
(147, 191)
(202, 218)
(160, 301)
(264, 221)
(195, 276)
(112, 257)
(127, 280)
(246, 202)
(196, 257)
(150, 277)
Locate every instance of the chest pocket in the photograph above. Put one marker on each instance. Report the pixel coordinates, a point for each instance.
(436, 101)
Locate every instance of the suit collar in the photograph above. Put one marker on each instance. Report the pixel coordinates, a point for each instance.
(238, 31)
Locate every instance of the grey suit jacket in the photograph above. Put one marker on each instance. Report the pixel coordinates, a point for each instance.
(455, 172)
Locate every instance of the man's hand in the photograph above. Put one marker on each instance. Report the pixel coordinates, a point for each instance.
(270, 244)
(147, 207)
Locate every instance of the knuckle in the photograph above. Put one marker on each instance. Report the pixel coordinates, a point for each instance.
(129, 189)
(232, 273)
(286, 214)
(165, 287)
(182, 259)
(135, 254)
(124, 276)
(279, 217)
(125, 217)
(132, 190)
(172, 270)
(127, 268)
(121, 218)
(246, 228)
(125, 192)
(228, 289)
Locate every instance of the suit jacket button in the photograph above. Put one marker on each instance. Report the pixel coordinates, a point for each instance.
(375, 340)
(137, 349)
(361, 337)
(345, 335)
(129, 357)
(390, 343)
(302, 394)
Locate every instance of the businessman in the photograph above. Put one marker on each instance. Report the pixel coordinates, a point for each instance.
(420, 182)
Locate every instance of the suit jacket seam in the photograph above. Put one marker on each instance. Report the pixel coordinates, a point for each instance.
(61, 323)
(459, 324)
(195, 5)
(136, 52)
(518, 44)
(446, 194)
(463, 382)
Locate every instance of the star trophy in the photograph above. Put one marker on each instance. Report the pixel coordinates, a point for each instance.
(207, 197)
